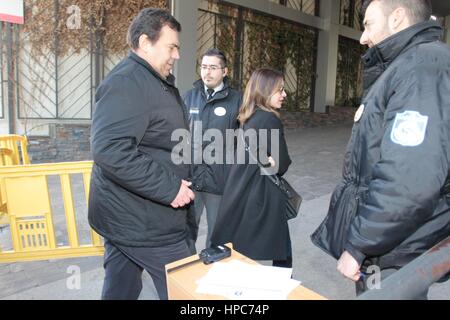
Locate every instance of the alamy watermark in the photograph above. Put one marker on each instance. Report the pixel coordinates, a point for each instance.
(74, 20)
(73, 282)
(373, 275)
(236, 147)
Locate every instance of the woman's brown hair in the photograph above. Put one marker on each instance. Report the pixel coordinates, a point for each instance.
(262, 85)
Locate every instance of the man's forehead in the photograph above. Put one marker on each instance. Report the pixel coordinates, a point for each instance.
(169, 42)
(371, 10)
(212, 59)
(169, 35)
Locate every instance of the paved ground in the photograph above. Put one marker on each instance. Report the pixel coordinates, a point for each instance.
(317, 160)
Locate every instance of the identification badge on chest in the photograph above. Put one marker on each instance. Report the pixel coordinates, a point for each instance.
(220, 111)
(359, 113)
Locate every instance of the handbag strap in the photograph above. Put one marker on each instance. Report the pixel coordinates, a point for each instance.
(274, 177)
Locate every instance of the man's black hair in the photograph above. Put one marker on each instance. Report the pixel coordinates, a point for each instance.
(150, 21)
(216, 53)
(416, 10)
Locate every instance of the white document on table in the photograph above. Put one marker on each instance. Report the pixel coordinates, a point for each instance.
(238, 280)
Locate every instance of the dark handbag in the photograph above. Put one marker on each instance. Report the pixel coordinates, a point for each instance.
(293, 199)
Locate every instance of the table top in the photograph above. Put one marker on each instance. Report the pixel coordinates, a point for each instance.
(183, 274)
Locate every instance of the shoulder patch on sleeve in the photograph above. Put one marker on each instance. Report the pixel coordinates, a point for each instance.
(409, 129)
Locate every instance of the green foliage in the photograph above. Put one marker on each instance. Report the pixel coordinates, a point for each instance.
(268, 42)
(104, 20)
(349, 73)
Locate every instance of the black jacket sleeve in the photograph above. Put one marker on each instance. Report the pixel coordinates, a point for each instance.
(119, 124)
(406, 181)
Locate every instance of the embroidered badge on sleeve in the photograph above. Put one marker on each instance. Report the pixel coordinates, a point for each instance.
(409, 129)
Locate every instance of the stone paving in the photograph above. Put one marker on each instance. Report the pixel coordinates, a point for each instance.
(317, 155)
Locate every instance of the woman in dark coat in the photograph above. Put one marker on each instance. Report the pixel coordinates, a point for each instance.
(252, 213)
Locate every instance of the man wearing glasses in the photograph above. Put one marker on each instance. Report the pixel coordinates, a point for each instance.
(212, 104)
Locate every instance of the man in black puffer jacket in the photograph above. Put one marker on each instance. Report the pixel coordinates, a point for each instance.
(212, 104)
(392, 204)
(138, 195)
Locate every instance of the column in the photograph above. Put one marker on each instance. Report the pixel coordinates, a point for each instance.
(327, 55)
(186, 12)
(447, 30)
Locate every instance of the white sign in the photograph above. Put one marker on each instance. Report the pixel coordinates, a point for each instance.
(11, 11)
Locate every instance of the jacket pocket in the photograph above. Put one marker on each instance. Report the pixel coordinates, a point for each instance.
(332, 234)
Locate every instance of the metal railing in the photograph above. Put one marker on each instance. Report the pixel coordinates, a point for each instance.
(42, 77)
(349, 77)
(307, 6)
(352, 14)
(416, 277)
(251, 40)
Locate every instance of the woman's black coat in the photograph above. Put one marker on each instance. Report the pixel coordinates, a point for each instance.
(252, 212)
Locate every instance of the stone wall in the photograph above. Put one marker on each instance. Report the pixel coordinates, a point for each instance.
(66, 142)
(70, 142)
(306, 119)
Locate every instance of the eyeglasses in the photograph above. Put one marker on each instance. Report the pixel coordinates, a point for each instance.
(212, 68)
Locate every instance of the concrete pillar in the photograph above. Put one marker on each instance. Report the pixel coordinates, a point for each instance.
(327, 55)
(447, 30)
(186, 12)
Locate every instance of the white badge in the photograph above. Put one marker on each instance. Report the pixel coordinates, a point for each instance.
(409, 129)
(359, 113)
(220, 111)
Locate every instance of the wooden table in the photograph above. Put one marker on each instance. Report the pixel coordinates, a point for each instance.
(181, 282)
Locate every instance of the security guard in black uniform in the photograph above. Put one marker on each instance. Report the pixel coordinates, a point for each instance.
(212, 104)
(392, 205)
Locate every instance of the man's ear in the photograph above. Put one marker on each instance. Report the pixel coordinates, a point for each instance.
(398, 20)
(144, 43)
(225, 71)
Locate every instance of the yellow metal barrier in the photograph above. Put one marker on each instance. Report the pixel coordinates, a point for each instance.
(10, 146)
(26, 192)
(9, 150)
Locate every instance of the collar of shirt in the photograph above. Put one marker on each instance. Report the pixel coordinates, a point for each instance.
(216, 89)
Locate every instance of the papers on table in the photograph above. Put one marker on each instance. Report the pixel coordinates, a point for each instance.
(238, 280)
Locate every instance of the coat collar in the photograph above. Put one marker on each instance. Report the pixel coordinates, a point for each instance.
(170, 79)
(378, 58)
(200, 85)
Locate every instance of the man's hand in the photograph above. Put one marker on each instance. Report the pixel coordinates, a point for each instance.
(349, 267)
(184, 196)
